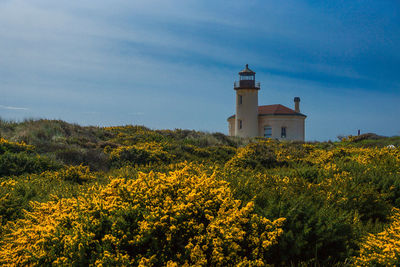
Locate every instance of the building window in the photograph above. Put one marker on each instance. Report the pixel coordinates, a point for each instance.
(267, 132)
(283, 132)
(240, 99)
(240, 124)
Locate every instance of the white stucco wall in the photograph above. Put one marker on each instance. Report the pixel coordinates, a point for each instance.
(295, 128)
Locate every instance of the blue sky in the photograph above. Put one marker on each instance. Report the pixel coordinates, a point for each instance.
(171, 64)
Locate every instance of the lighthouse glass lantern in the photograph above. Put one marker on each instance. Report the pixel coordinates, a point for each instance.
(247, 79)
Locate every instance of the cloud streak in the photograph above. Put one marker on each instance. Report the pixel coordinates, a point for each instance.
(12, 108)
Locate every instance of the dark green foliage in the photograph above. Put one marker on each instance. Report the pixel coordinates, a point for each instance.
(74, 144)
(313, 230)
(371, 140)
(136, 156)
(216, 154)
(95, 158)
(255, 155)
(328, 208)
(19, 163)
(13, 148)
(16, 193)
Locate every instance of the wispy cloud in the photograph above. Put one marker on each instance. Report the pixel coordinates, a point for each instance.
(139, 113)
(12, 108)
(91, 112)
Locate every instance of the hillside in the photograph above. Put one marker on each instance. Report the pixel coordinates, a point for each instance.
(129, 195)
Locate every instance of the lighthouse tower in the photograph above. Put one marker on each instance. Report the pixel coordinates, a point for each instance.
(246, 119)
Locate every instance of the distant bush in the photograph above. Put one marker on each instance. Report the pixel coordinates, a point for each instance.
(139, 154)
(95, 158)
(71, 155)
(77, 174)
(19, 163)
(255, 155)
(220, 154)
(130, 135)
(371, 140)
(13, 147)
(358, 138)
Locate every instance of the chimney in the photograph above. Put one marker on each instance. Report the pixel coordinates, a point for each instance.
(297, 104)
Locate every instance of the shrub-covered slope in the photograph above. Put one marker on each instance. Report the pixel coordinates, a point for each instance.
(73, 195)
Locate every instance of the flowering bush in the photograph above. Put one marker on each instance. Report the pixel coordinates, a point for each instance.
(78, 174)
(185, 217)
(18, 158)
(260, 154)
(19, 163)
(382, 249)
(14, 147)
(7, 202)
(139, 154)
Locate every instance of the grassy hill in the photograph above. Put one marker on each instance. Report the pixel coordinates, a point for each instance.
(129, 195)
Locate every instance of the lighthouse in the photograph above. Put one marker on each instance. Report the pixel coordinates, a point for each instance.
(269, 121)
(246, 119)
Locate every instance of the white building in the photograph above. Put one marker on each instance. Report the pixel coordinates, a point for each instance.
(272, 121)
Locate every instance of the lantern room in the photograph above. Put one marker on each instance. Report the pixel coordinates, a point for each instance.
(247, 80)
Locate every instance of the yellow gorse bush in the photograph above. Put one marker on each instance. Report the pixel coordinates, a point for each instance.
(77, 174)
(6, 188)
(142, 153)
(382, 249)
(6, 145)
(259, 154)
(182, 218)
(5, 141)
(358, 154)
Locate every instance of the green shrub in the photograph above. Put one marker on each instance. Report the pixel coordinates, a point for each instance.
(95, 158)
(19, 163)
(78, 174)
(255, 155)
(143, 153)
(314, 229)
(13, 147)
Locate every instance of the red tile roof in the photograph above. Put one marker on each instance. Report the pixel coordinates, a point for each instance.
(276, 110)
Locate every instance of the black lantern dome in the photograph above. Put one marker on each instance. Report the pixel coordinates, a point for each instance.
(247, 72)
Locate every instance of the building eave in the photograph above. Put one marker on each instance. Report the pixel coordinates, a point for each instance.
(277, 114)
(233, 116)
(284, 114)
